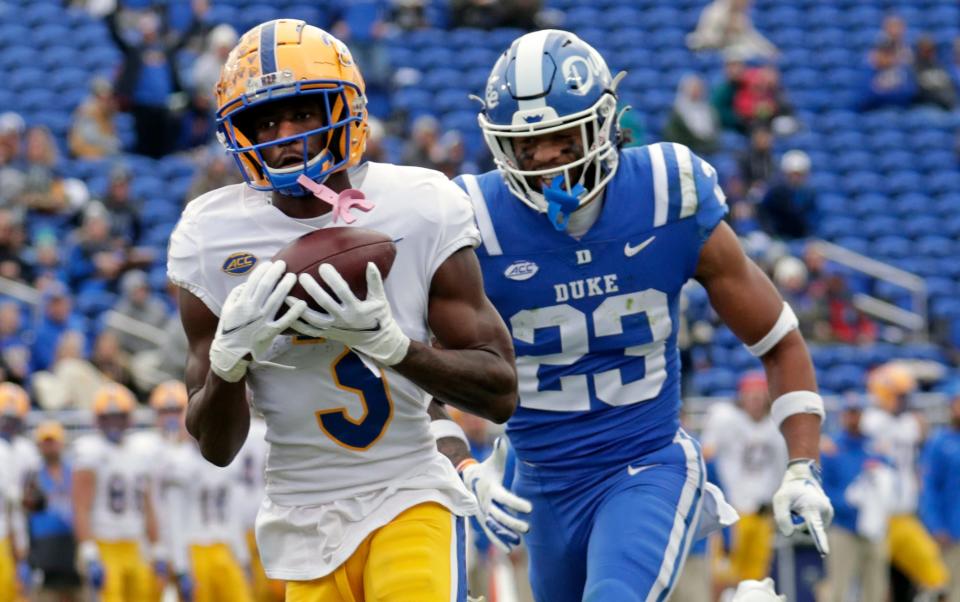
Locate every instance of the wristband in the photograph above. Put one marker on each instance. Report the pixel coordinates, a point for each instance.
(786, 322)
(443, 428)
(796, 402)
(89, 552)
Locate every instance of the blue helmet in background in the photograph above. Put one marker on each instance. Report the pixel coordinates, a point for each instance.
(548, 81)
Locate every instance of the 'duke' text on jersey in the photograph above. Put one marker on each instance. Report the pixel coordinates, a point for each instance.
(586, 287)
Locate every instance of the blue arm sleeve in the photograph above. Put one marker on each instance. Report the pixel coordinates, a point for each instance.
(932, 494)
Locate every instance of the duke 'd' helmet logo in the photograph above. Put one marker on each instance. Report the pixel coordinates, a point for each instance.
(239, 263)
(521, 270)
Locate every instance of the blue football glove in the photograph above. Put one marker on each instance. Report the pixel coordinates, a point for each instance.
(96, 575)
(161, 569)
(185, 587)
(91, 565)
(485, 480)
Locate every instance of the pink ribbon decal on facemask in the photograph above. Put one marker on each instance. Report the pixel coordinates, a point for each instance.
(342, 203)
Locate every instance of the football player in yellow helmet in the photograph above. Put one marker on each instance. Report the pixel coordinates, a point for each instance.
(354, 476)
(898, 433)
(14, 407)
(281, 70)
(112, 512)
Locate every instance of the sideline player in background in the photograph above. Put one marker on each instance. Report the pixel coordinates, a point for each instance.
(204, 535)
(897, 433)
(585, 250)
(9, 497)
(112, 510)
(360, 504)
(750, 457)
(14, 407)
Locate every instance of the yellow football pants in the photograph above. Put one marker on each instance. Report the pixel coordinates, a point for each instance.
(264, 588)
(416, 557)
(752, 547)
(8, 571)
(915, 553)
(127, 576)
(216, 575)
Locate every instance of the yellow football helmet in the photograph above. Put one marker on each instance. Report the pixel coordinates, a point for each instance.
(888, 384)
(113, 398)
(14, 401)
(283, 58)
(169, 395)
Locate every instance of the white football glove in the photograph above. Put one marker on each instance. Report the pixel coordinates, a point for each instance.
(800, 503)
(364, 325)
(485, 480)
(757, 591)
(247, 325)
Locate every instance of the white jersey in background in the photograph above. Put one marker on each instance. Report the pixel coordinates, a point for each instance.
(122, 475)
(750, 456)
(27, 460)
(896, 437)
(202, 501)
(252, 461)
(9, 491)
(343, 460)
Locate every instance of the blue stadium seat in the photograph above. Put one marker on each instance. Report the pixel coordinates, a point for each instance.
(879, 225)
(846, 140)
(442, 79)
(861, 182)
(838, 227)
(853, 161)
(919, 224)
(947, 181)
(902, 182)
(939, 286)
(843, 377)
(891, 247)
(712, 380)
(936, 246)
(933, 160)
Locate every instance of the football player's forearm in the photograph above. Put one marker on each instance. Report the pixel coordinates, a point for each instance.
(218, 417)
(789, 368)
(455, 449)
(475, 380)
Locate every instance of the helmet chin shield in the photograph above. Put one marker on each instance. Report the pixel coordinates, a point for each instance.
(546, 82)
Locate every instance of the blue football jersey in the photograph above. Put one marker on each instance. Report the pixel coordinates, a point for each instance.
(594, 321)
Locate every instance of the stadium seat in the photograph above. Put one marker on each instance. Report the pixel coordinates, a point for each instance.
(891, 247)
(936, 246)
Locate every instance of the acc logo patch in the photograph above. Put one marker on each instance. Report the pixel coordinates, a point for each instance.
(521, 270)
(239, 263)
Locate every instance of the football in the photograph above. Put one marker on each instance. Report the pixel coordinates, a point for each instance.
(347, 249)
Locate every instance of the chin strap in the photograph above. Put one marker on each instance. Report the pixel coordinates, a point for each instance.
(560, 203)
(342, 203)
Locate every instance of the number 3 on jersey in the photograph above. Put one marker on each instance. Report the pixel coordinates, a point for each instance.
(351, 374)
(573, 394)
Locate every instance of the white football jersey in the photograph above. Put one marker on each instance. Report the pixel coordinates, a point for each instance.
(896, 437)
(9, 492)
(202, 500)
(122, 476)
(751, 456)
(341, 431)
(252, 460)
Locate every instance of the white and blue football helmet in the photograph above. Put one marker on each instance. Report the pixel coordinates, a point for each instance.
(547, 81)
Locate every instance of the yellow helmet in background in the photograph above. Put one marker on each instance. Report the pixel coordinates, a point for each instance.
(113, 398)
(280, 59)
(169, 395)
(889, 383)
(14, 401)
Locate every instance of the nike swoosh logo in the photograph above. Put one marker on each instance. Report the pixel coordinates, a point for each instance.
(631, 251)
(635, 470)
(236, 328)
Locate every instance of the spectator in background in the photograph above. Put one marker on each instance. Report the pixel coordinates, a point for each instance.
(14, 352)
(217, 169)
(96, 260)
(126, 225)
(12, 127)
(954, 68)
(44, 259)
(138, 302)
(861, 486)
(13, 263)
(420, 150)
(47, 499)
(723, 93)
(376, 133)
(893, 31)
(760, 100)
(58, 318)
(362, 26)
(847, 323)
(693, 121)
(941, 488)
(450, 155)
(206, 69)
(148, 79)
(93, 134)
(43, 190)
(756, 165)
(789, 208)
(110, 359)
(934, 84)
(726, 25)
(887, 82)
(790, 276)
(482, 14)
(71, 381)
(409, 15)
